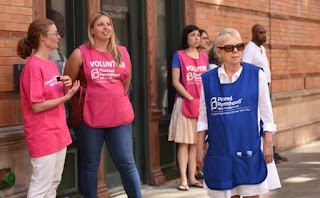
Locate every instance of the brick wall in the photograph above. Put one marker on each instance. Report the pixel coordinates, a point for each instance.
(293, 27)
(15, 16)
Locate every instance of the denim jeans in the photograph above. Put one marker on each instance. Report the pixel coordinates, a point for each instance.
(119, 143)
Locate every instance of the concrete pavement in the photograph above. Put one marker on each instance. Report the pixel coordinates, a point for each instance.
(300, 178)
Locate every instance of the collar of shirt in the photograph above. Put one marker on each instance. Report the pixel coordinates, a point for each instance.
(260, 48)
(224, 77)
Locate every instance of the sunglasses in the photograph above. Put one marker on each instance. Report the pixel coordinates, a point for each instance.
(230, 48)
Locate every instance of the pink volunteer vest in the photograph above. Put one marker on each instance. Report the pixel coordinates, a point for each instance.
(191, 70)
(106, 101)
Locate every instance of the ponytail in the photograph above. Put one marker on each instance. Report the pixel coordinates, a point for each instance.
(24, 49)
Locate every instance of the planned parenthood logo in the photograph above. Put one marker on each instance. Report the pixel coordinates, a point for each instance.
(226, 105)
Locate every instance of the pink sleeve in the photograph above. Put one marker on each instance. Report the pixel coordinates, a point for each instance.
(36, 85)
(125, 52)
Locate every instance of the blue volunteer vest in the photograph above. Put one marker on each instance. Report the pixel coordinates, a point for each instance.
(234, 156)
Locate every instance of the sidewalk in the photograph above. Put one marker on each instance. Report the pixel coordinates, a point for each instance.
(300, 178)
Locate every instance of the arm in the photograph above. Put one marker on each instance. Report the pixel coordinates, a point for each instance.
(126, 83)
(49, 104)
(73, 65)
(268, 147)
(177, 85)
(248, 54)
(202, 126)
(200, 150)
(267, 117)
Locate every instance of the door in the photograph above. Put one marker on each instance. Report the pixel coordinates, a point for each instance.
(169, 30)
(68, 13)
(127, 18)
(129, 29)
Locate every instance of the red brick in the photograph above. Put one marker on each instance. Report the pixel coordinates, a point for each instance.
(13, 2)
(4, 35)
(6, 87)
(292, 29)
(18, 35)
(313, 82)
(28, 3)
(10, 43)
(16, 26)
(287, 85)
(6, 78)
(15, 112)
(7, 52)
(7, 111)
(15, 18)
(2, 113)
(6, 69)
(9, 61)
(16, 10)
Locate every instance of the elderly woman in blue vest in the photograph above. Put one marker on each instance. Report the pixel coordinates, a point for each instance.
(234, 98)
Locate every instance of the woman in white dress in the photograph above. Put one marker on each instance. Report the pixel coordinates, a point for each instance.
(234, 99)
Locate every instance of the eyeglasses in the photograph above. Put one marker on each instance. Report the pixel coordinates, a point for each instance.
(53, 34)
(230, 48)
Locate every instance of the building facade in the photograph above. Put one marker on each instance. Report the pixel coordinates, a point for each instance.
(293, 51)
(151, 30)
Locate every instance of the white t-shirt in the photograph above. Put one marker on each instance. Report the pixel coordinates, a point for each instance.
(256, 55)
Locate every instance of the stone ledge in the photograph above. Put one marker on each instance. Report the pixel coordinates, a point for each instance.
(291, 138)
(12, 138)
(293, 94)
(297, 125)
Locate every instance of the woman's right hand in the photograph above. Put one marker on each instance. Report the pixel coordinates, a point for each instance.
(49, 104)
(72, 90)
(200, 149)
(190, 98)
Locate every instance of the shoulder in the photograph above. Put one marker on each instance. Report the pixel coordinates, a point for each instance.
(250, 67)
(77, 52)
(176, 55)
(202, 54)
(34, 63)
(250, 44)
(250, 47)
(210, 73)
(77, 56)
(179, 52)
(124, 51)
(83, 47)
(122, 48)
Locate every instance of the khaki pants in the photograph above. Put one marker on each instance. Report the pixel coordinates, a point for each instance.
(46, 175)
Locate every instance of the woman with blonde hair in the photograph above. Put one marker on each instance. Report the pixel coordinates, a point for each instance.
(234, 97)
(43, 94)
(101, 111)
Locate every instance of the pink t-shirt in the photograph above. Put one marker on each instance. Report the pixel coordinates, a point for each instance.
(46, 132)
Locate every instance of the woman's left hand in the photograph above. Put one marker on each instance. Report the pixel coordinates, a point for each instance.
(66, 80)
(268, 147)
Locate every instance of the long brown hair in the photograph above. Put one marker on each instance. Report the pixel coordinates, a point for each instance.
(37, 27)
(112, 46)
